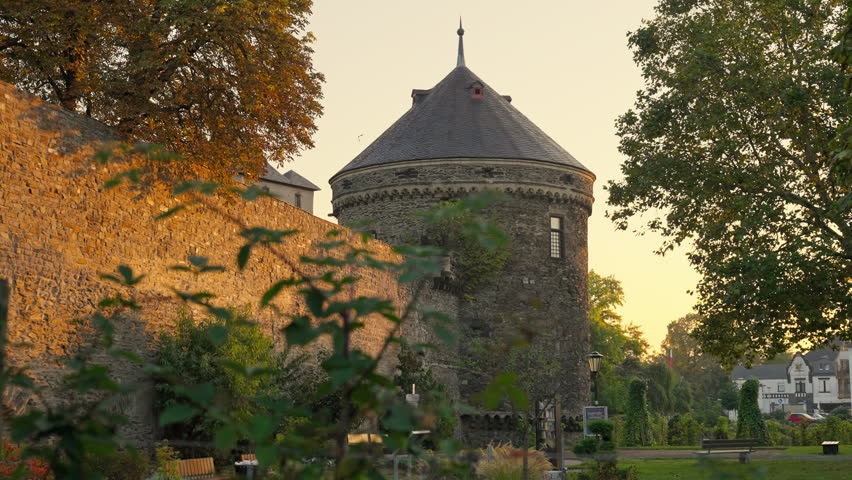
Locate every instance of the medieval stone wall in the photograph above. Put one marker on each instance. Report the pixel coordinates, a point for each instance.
(59, 230)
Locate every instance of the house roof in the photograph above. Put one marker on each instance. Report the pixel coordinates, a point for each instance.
(762, 372)
(290, 178)
(448, 121)
(821, 361)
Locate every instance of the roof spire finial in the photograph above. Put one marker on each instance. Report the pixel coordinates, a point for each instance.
(460, 60)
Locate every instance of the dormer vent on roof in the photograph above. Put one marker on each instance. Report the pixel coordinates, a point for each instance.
(477, 89)
(418, 96)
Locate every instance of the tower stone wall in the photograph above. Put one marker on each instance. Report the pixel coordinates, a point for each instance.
(534, 289)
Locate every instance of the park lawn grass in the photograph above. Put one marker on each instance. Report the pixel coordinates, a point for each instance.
(767, 469)
(815, 450)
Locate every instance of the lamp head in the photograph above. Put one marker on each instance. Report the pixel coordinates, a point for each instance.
(595, 359)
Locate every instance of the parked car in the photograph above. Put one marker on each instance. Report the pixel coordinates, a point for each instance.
(801, 417)
(819, 417)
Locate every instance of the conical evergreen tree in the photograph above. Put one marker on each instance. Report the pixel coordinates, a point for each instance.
(637, 430)
(749, 419)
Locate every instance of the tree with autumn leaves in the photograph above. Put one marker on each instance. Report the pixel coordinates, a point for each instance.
(226, 84)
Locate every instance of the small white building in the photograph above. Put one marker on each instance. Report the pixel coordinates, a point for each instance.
(817, 381)
(289, 187)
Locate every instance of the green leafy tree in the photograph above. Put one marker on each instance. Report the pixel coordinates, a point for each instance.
(456, 229)
(701, 373)
(749, 419)
(637, 427)
(435, 403)
(617, 341)
(227, 84)
(732, 150)
(211, 352)
(661, 381)
(526, 356)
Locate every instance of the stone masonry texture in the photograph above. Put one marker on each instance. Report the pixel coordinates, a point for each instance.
(60, 230)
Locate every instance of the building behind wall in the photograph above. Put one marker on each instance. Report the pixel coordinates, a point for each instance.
(289, 187)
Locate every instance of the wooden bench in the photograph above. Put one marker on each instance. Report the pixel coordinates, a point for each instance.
(248, 456)
(197, 468)
(743, 447)
(370, 442)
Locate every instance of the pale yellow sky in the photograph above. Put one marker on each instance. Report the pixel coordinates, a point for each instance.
(567, 67)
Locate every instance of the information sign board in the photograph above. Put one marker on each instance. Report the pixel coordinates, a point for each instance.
(590, 414)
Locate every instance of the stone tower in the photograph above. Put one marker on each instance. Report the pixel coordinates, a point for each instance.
(461, 136)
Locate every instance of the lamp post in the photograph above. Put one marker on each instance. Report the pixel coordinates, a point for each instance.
(595, 359)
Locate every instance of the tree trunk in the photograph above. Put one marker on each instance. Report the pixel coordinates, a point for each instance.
(526, 452)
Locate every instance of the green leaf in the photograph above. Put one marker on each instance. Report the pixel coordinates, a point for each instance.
(225, 437)
(445, 334)
(168, 213)
(198, 261)
(276, 288)
(300, 331)
(218, 334)
(243, 255)
(315, 299)
(177, 413)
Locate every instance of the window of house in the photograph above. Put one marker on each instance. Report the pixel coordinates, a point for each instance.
(823, 385)
(299, 200)
(555, 237)
(844, 366)
(843, 388)
(477, 91)
(781, 387)
(800, 385)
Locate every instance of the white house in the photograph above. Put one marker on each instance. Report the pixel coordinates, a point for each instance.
(817, 381)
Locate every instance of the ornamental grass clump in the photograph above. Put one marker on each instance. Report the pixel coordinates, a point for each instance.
(504, 462)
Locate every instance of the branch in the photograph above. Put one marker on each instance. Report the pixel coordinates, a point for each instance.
(12, 42)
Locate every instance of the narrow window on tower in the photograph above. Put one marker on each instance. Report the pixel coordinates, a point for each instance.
(299, 200)
(555, 237)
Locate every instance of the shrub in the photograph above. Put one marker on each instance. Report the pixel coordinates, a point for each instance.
(842, 412)
(778, 415)
(198, 353)
(833, 428)
(126, 464)
(504, 462)
(608, 470)
(780, 434)
(586, 446)
(722, 429)
(603, 428)
(167, 463)
(11, 462)
(659, 430)
(684, 430)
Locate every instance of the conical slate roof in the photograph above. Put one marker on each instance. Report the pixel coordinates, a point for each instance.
(449, 121)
